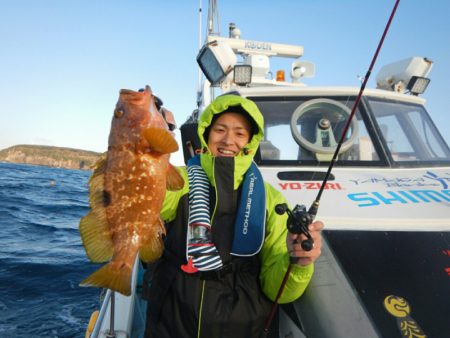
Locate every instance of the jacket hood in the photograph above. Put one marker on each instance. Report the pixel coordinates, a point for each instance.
(243, 160)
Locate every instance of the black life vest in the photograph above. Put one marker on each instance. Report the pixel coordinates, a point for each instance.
(224, 303)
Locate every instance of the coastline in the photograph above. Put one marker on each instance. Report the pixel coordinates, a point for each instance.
(50, 156)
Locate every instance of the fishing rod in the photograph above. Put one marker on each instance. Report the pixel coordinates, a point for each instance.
(299, 218)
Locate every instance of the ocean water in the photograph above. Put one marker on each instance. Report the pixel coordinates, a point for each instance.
(42, 260)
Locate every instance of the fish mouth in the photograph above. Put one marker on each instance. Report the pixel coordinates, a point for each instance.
(127, 91)
(147, 89)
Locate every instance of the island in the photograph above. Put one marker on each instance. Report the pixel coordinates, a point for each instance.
(50, 156)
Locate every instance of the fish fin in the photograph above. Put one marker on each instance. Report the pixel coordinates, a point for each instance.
(94, 228)
(112, 276)
(100, 165)
(96, 237)
(96, 184)
(174, 180)
(161, 140)
(152, 245)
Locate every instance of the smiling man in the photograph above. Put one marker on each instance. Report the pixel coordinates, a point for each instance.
(229, 133)
(226, 249)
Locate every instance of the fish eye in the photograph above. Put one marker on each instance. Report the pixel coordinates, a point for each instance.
(118, 113)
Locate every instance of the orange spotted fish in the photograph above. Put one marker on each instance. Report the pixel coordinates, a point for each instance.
(126, 192)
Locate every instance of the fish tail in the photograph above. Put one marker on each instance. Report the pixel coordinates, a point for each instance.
(111, 276)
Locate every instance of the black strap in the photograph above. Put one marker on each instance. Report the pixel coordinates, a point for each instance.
(226, 206)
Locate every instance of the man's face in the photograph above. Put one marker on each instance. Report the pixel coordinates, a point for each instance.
(228, 135)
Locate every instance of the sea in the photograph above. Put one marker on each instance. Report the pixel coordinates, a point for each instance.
(42, 259)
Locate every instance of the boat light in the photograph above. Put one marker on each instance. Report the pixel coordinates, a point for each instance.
(242, 74)
(216, 61)
(403, 75)
(417, 85)
(280, 75)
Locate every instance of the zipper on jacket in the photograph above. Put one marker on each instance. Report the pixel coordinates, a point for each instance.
(200, 312)
(215, 192)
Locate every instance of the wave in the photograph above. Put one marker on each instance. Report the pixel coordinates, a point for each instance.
(42, 260)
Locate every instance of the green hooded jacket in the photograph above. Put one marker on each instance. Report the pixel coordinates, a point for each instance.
(274, 256)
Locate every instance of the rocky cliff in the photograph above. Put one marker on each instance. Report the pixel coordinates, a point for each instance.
(50, 156)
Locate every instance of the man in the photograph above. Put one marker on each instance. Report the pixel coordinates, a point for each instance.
(226, 249)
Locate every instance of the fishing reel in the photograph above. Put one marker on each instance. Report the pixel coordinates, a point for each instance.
(298, 221)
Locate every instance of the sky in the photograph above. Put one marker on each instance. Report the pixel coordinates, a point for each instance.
(62, 63)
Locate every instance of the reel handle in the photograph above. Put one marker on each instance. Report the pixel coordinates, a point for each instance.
(298, 222)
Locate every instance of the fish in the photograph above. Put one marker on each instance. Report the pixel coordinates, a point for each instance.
(127, 190)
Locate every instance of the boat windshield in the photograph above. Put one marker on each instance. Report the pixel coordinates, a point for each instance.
(382, 133)
(408, 132)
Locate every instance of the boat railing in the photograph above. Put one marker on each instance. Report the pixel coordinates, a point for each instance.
(116, 316)
(101, 316)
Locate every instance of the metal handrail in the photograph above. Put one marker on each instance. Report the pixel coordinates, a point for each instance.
(112, 302)
(101, 316)
(110, 299)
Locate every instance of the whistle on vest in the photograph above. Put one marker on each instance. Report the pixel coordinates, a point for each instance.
(297, 222)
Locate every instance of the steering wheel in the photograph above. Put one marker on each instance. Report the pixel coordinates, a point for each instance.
(323, 114)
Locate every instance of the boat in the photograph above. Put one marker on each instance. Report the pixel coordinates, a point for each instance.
(385, 264)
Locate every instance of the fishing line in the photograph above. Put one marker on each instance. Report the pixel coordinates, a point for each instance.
(315, 205)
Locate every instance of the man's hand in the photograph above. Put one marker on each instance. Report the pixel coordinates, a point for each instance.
(295, 249)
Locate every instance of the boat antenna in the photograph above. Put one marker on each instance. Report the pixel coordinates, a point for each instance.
(213, 19)
(213, 29)
(200, 43)
(296, 218)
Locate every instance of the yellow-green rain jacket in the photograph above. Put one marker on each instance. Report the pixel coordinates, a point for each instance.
(273, 255)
